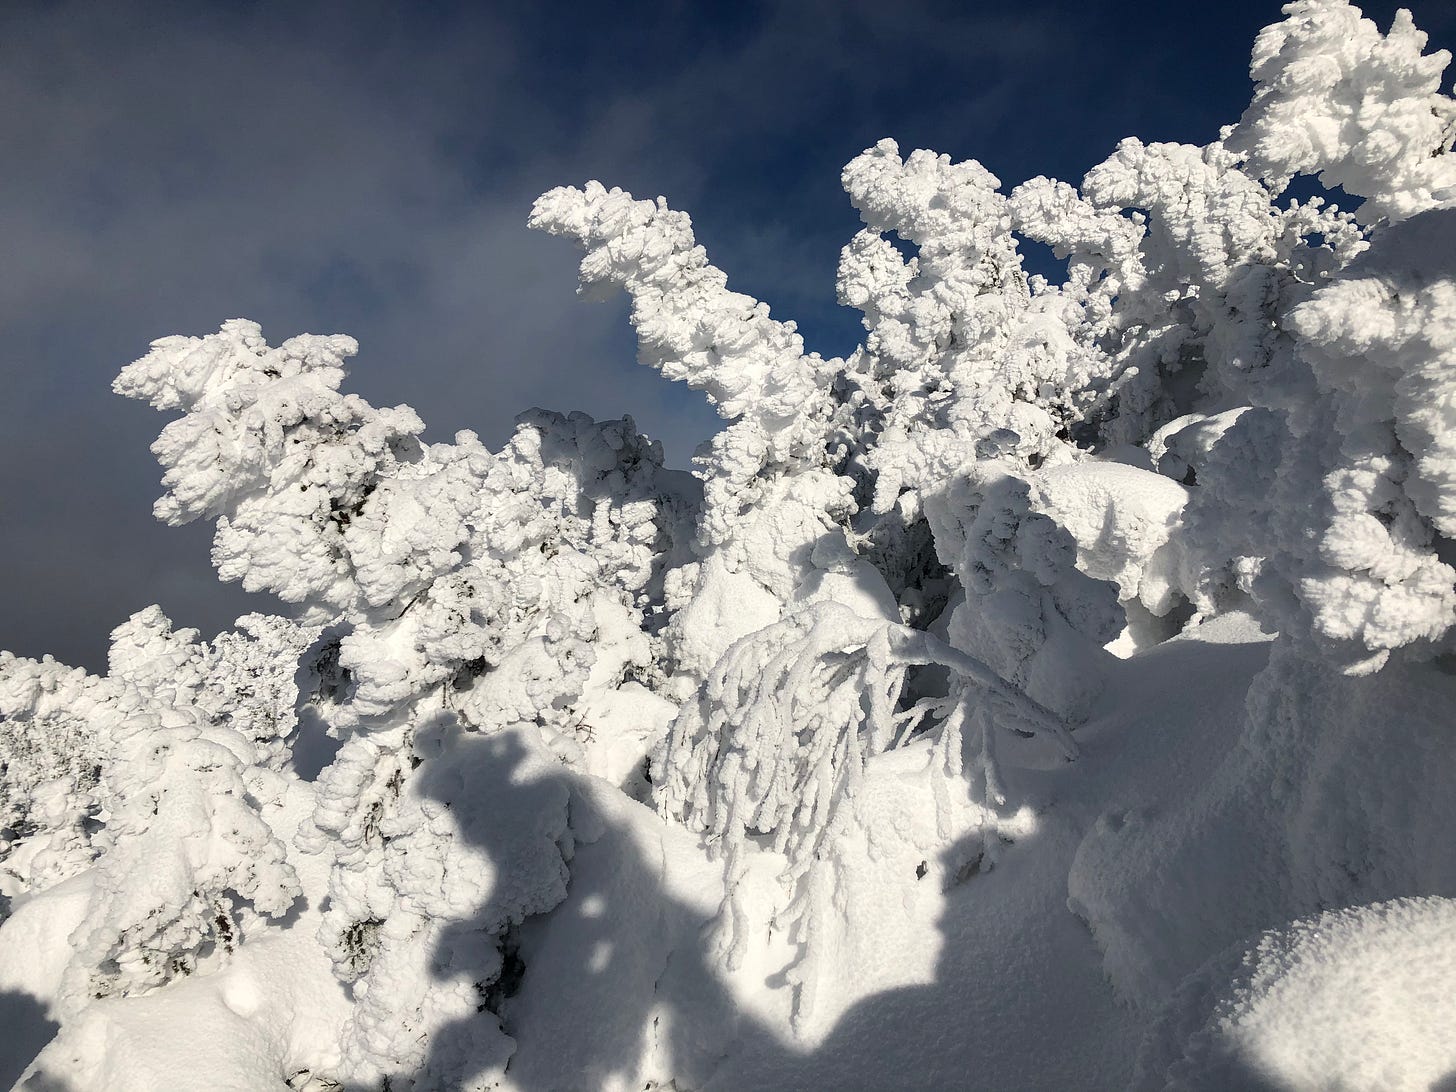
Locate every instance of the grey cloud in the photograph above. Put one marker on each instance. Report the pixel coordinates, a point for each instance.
(165, 175)
(366, 168)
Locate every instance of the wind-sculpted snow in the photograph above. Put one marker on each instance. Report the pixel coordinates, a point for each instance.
(567, 770)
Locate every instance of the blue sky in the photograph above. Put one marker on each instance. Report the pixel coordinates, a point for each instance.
(367, 169)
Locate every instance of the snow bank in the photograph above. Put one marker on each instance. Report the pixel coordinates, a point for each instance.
(1352, 999)
(1336, 793)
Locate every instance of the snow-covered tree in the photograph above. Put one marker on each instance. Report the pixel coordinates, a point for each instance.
(776, 740)
(909, 573)
(141, 774)
(53, 755)
(1364, 570)
(773, 499)
(1361, 110)
(463, 592)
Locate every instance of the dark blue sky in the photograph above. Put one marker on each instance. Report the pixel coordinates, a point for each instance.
(367, 169)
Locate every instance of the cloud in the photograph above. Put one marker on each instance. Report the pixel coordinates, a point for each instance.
(366, 168)
(165, 174)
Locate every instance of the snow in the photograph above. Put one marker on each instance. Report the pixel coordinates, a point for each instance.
(1356, 998)
(275, 1010)
(1123, 519)
(1055, 692)
(1334, 96)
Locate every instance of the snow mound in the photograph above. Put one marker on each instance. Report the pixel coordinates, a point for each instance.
(1361, 998)
(1122, 518)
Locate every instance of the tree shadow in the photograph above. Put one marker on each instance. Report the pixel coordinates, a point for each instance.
(24, 1030)
(626, 969)
(620, 940)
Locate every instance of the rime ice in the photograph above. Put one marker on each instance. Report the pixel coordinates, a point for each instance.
(1054, 692)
